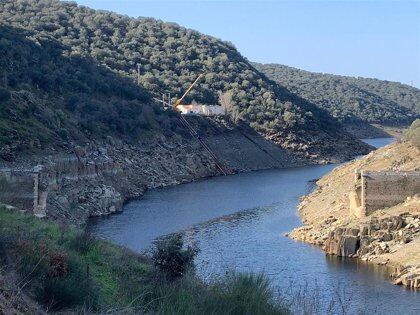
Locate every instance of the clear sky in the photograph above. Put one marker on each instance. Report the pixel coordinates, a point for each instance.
(378, 39)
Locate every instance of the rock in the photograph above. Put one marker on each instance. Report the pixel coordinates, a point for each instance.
(348, 245)
(386, 237)
(352, 231)
(364, 230)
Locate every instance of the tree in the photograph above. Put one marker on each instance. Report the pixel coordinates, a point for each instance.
(226, 101)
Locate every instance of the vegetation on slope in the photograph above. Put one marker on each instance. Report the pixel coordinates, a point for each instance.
(48, 97)
(65, 270)
(168, 57)
(350, 99)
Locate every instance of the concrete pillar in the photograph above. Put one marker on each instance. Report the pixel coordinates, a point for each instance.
(41, 209)
(363, 194)
(40, 198)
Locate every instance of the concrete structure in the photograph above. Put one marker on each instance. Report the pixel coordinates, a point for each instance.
(22, 189)
(379, 190)
(204, 110)
(34, 190)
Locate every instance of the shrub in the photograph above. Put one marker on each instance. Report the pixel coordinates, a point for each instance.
(249, 294)
(172, 258)
(67, 284)
(233, 294)
(82, 242)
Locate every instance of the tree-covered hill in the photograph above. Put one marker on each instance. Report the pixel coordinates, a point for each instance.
(350, 99)
(92, 50)
(48, 99)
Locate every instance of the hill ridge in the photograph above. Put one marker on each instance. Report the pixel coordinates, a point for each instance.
(350, 99)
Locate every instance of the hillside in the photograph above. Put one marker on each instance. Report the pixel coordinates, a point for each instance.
(349, 99)
(95, 56)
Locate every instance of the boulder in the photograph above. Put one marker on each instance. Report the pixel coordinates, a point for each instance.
(349, 245)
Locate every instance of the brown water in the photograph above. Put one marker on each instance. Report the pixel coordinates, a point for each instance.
(238, 223)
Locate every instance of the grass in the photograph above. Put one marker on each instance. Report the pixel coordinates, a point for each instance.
(64, 269)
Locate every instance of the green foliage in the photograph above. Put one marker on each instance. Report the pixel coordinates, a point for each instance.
(350, 99)
(51, 97)
(248, 294)
(171, 258)
(235, 294)
(169, 57)
(96, 276)
(55, 278)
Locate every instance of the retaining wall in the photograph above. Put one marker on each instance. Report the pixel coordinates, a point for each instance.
(386, 189)
(379, 190)
(22, 189)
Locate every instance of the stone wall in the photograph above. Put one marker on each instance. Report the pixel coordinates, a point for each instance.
(379, 190)
(17, 188)
(22, 189)
(386, 189)
(35, 189)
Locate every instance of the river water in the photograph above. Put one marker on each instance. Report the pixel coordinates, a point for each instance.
(239, 221)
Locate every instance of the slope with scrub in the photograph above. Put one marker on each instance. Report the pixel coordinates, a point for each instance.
(167, 57)
(356, 102)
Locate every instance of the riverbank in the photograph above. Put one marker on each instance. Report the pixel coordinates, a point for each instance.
(98, 178)
(47, 268)
(237, 222)
(388, 237)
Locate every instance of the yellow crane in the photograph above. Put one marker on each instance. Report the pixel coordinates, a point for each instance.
(178, 101)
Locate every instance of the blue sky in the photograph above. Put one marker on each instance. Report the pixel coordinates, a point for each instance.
(378, 39)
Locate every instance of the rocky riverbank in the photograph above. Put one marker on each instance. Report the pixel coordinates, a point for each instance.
(98, 177)
(388, 237)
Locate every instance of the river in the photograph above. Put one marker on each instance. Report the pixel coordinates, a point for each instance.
(239, 221)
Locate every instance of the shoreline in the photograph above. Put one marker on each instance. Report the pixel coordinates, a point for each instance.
(99, 178)
(306, 163)
(388, 237)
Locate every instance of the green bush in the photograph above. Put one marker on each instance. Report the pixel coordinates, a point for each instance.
(69, 290)
(171, 258)
(249, 294)
(96, 276)
(234, 294)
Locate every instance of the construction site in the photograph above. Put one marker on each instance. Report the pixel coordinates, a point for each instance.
(196, 109)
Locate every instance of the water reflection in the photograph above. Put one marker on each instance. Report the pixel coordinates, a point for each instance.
(238, 223)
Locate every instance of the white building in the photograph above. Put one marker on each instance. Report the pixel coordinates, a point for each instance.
(204, 110)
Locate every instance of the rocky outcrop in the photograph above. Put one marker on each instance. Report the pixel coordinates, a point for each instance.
(97, 178)
(374, 239)
(387, 236)
(408, 276)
